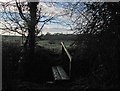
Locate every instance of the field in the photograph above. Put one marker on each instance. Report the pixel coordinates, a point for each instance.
(12, 39)
(49, 44)
(47, 53)
(88, 70)
(54, 46)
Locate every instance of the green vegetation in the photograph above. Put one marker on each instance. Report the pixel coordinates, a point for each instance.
(12, 39)
(91, 66)
(54, 45)
(46, 41)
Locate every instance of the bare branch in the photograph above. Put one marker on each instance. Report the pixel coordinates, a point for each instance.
(20, 11)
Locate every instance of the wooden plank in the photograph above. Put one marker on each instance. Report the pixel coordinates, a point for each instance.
(59, 73)
(55, 73)
(62, 73)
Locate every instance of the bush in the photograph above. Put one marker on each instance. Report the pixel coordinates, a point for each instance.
(97, 56)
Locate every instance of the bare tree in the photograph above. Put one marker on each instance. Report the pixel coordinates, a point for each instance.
(23, 18)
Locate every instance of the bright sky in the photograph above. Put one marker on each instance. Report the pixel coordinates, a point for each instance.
(53, 28)
(52, 10)
(67, 0)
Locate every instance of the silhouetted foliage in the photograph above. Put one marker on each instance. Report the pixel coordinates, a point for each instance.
(97, 49)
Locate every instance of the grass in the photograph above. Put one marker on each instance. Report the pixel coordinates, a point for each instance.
(39, 72)
(46, 56)
(12, 39)
(56, 46)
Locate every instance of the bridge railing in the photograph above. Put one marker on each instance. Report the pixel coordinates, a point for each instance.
(67, 59)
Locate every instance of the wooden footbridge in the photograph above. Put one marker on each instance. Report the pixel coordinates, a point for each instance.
(60, 72)
(63, 71)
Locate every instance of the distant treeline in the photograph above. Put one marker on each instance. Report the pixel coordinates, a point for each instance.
(48, 36)
(71, 37)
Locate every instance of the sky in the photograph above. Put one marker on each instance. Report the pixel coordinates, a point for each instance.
(67, 0)
(50, 10)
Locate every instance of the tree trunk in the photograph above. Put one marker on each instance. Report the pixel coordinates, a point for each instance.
(31, 25)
